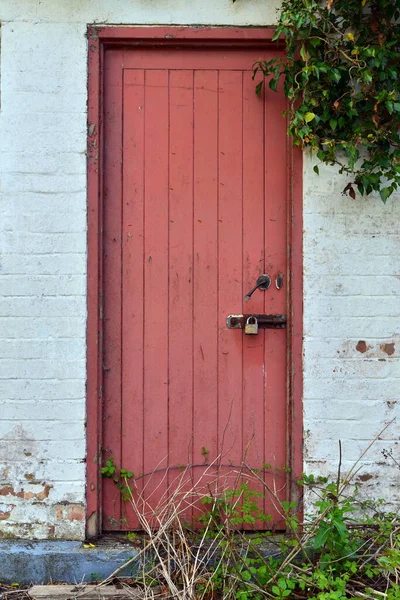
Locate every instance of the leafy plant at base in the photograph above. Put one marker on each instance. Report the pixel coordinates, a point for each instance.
(342, 78)
(346, 548)
(120, 477)
(234, 507)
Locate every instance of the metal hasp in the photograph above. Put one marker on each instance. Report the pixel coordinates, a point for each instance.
(263, 321)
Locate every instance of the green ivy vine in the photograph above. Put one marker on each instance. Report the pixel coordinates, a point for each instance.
(341, 75)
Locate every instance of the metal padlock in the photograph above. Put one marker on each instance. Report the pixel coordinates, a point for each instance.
(251, 327)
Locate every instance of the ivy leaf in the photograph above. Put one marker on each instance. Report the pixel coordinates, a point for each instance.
(316, 169)
(333, 124)
(273, 83)
(304, 54)
(349, 188)
(385, 193)
(259, 87)
(309, 116)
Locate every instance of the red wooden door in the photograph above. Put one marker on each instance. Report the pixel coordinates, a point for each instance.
(195, 209)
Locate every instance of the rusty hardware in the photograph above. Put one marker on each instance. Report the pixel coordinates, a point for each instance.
(251, 327)
(279, 281)
(262, 283)
(263, 321)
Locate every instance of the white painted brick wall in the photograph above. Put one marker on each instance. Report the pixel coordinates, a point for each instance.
(42, 278)
(351, 274)
(351, 294)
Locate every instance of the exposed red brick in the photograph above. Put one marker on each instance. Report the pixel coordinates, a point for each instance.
(388, 348)
(365, 477)
(75, 512)
(362, 346)
(8, 490)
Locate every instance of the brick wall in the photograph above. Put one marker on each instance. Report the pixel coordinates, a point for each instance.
(351, 332)
(42, 279)
(351, 268)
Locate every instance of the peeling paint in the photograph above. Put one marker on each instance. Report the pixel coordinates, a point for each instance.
(75, 512)
(92, 524)
(391, 403)
(362, 346)
(380, 349)
(8, 490)
(5, 511)
(389, 349)
(365, 477)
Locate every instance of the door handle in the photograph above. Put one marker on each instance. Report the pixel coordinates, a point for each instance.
(263, 321)
(262, 283)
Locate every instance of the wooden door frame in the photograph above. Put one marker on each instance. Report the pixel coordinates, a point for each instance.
(99, 38)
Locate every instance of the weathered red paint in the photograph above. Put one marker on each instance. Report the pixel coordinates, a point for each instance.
(174, 269)
(94, 291)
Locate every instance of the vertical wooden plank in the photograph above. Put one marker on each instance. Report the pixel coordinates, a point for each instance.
(133, 277)
(253, 267)
(205, 388)
(180, 350)
(112, 275)
(156, 283)
(230, 226)
(275, 300)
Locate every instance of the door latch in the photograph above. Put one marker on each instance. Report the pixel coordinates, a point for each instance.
(263, 321)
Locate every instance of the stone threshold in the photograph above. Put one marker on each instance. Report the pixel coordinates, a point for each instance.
(41, 562)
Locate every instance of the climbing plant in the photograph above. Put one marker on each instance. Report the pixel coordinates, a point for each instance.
(341, 75)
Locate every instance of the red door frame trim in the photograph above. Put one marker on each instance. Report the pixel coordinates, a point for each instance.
(98, 39)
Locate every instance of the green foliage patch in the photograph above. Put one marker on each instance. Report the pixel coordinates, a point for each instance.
(345, 548)
(341, 76)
